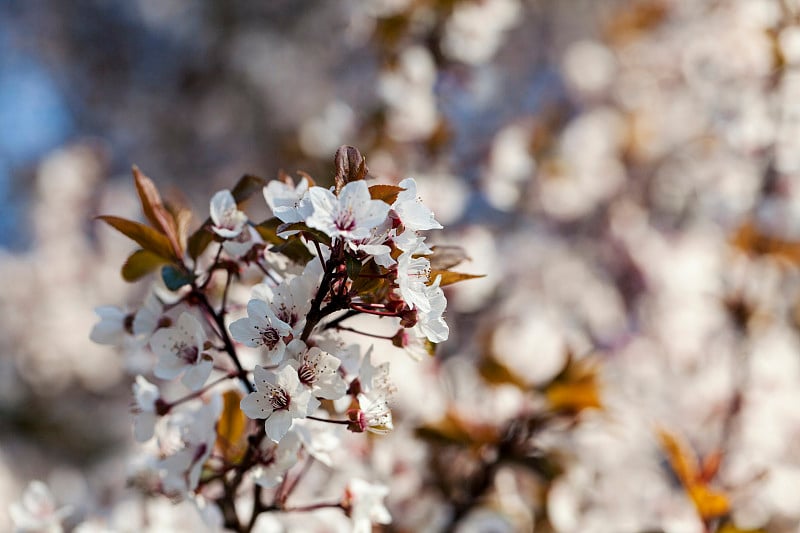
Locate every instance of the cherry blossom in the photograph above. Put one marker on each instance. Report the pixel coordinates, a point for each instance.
(145, 395)
(350, 216)
(414, 215)
(279, 398)
(227, 220)
(262, 328)
(180, 350)
(365, 503)
(287, 201)
(37, 512)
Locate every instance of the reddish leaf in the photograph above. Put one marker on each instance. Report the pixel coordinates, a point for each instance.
(387, 193)
(199, 240)
(448, 277)
(246, 187)
(155, 212)
(232, 428)
(147, 237)
(139, 264)
(445, 257)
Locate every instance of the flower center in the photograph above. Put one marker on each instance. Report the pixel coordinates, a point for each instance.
(306, 374)
(270, 337)
(346, 220)
(186, 353)
(279, 399)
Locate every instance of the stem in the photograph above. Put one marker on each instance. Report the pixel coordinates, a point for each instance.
(212, 268)
(373, 335)
(266, 272)
(287, 488)
(229, 347)
(328, 420)
(371, 311)
(200, 392)
(258, 508)
(313, 507)
(338, 320)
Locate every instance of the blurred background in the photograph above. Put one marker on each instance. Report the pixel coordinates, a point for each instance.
(625, 173)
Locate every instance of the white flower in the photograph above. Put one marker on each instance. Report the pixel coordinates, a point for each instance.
(414, 215)
(262, 328)
(320, 441)
(375, 415)
(287, 202)
(375, 245)
(228, 220)
(412, 278)
(290, 300)
(145, 322)
(350, 216)
(318, 370)
(431, 323)
(145, 395)
(364, 502)
(277, 459)
(373, 377)
(180, 349)
(279, 397)
(243, 243)
(181, 470)
(37, 512)
(113, 326)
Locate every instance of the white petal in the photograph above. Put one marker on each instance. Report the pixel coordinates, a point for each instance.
(196, 376)
(278, 424)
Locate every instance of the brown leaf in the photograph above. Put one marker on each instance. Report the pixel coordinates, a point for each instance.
(749, 239)
(456, 429)
(576, 387)
(155, 212)
(496, 373)
(147, 237)
(232, 428)
(448, 277)
(200, 239)
(387, 193)
(708, 502)
(350, 166)
(139, 264)
(445, 257)
(246, 187)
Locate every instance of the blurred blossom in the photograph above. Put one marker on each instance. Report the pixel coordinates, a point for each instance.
(589, 67)
(320, 136)
(407, 91)
(475, 30)
(510, 167)
(625, 174)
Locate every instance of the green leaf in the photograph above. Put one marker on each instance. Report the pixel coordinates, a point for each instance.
(269, 231)
(246, 187)
(370, 284)
(139, 264)
(316, 234)
(147, 237)
(199, 240)
(353, 267)
(294, 250)
(175, 278)
(448, 277)
(291, 247)
(387, 193)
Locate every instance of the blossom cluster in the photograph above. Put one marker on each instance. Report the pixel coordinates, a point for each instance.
(246, 317)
